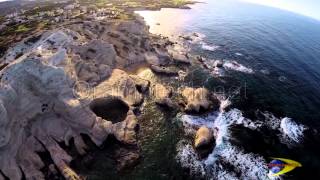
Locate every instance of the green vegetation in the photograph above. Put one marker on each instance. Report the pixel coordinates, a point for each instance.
(148, 4)
(179, 2)
(123, 16)
(101, 3)
(15, 32)
(43, 8)
(132, 4)
(22, 28)
(2, 19)
(43, 25)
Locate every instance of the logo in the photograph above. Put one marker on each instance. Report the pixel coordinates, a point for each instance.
(280, 166)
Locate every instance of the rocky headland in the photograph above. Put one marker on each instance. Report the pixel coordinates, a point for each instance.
(88, 78)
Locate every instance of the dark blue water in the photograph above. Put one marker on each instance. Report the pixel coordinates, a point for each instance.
(283, 48)
(285, 44)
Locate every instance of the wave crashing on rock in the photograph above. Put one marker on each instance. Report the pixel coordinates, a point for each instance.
(227, 160)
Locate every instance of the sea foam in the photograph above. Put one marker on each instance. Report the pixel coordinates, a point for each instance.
(228, 161)
(233, 65)
(208, 47)
(224, 152)
(198, 38)
(291, 133)
(292, 130)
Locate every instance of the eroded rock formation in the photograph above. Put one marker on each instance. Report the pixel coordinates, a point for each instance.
(196, 99)
(204, 141)
(40, 108)
(163, 95)
(72, 82)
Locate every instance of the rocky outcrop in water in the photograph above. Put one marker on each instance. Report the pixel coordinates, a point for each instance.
(203, 137)
(197, 100)
(204, 141)
(162, 70)
(163, 95)
(218, 63)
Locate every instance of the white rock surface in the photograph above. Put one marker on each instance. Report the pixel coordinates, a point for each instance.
(38, 106)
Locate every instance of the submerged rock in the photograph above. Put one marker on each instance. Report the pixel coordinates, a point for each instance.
(218, 63)
(127, 158)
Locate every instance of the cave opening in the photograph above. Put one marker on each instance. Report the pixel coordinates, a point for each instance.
(110, 108)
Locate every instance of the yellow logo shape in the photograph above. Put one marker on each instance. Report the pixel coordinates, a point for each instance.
(289, 166)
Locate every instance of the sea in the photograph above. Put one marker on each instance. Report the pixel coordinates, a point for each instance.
(272, 79)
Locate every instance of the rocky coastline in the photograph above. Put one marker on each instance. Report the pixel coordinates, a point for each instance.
(83, 83)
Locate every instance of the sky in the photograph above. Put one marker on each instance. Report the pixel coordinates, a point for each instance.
(309, 8)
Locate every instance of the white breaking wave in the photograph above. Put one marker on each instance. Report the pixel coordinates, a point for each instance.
(224, 152)
(191, 123)
(226, 65)
(237, 67)
(187, 157)
(225, 120)
(238, 54)
(248, 165)
(198, 38)
(292, 130)
(208, 47)
(226, 160)
(224, 104)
